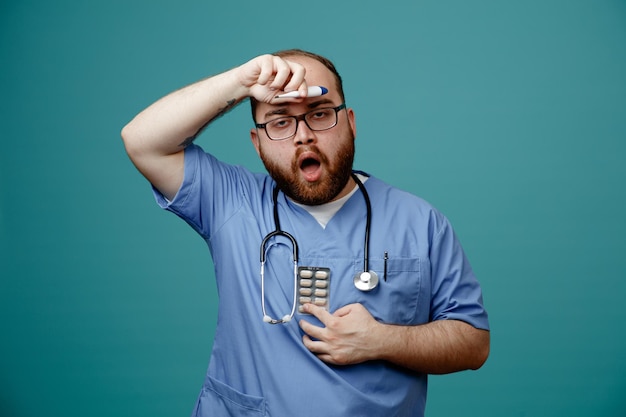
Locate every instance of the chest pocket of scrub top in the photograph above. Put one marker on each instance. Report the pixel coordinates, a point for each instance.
(396, 300)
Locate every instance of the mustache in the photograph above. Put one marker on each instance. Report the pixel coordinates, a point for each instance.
(309, 148)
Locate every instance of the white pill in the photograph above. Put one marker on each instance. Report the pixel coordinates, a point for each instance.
(306, 273)
(320, 302)
(321, 293)
(321, 274)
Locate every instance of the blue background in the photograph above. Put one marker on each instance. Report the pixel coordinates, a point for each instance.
(509, 116)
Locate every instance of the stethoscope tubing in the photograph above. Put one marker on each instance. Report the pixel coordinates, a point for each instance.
(294, 243)
(368, 222)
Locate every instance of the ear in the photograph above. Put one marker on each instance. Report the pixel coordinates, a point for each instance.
(352, 120)
(254, 137)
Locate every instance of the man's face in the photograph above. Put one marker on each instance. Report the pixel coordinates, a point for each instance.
(312, 167)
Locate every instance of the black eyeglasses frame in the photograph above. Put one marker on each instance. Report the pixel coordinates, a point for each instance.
(302, 117)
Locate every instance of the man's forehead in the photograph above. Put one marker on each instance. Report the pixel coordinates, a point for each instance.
(295, 108)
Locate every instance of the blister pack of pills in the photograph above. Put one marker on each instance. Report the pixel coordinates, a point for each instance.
(313, 286)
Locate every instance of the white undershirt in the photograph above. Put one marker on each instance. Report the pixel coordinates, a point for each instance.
(324, 212)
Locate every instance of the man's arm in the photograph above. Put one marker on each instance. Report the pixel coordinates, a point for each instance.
(351, 335)
(156, 138)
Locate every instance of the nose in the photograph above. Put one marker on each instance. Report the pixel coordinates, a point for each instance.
(304, 134)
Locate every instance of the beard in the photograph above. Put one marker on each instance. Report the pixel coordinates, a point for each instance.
(332, 181)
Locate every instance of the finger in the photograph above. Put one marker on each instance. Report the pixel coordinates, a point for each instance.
(343, 311)
(282, 73)
(266, 70)
(328, 359)
(297, 81)
(319, 312)
(319, 349)
(315, 332)
(315, 346)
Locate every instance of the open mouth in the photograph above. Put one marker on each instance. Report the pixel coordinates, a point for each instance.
(310, 166)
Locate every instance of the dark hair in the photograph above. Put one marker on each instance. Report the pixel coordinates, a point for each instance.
(285, 53)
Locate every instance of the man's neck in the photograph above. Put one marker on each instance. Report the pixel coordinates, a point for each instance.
(324, 212)
(347, 189)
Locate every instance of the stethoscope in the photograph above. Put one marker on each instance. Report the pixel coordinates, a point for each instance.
(365, 281)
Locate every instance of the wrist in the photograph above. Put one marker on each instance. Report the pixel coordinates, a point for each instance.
(234, 88)
(382, 337)
(390, 339)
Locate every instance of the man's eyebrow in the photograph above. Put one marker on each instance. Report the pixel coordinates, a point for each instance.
(281, 111)
(276, 111)
(318, 103)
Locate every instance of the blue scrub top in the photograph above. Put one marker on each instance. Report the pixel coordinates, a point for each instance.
(258, 369)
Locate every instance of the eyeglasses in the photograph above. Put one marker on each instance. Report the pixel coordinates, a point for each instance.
(285, 127)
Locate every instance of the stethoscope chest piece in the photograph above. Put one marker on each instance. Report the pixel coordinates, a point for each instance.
(366, 280)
